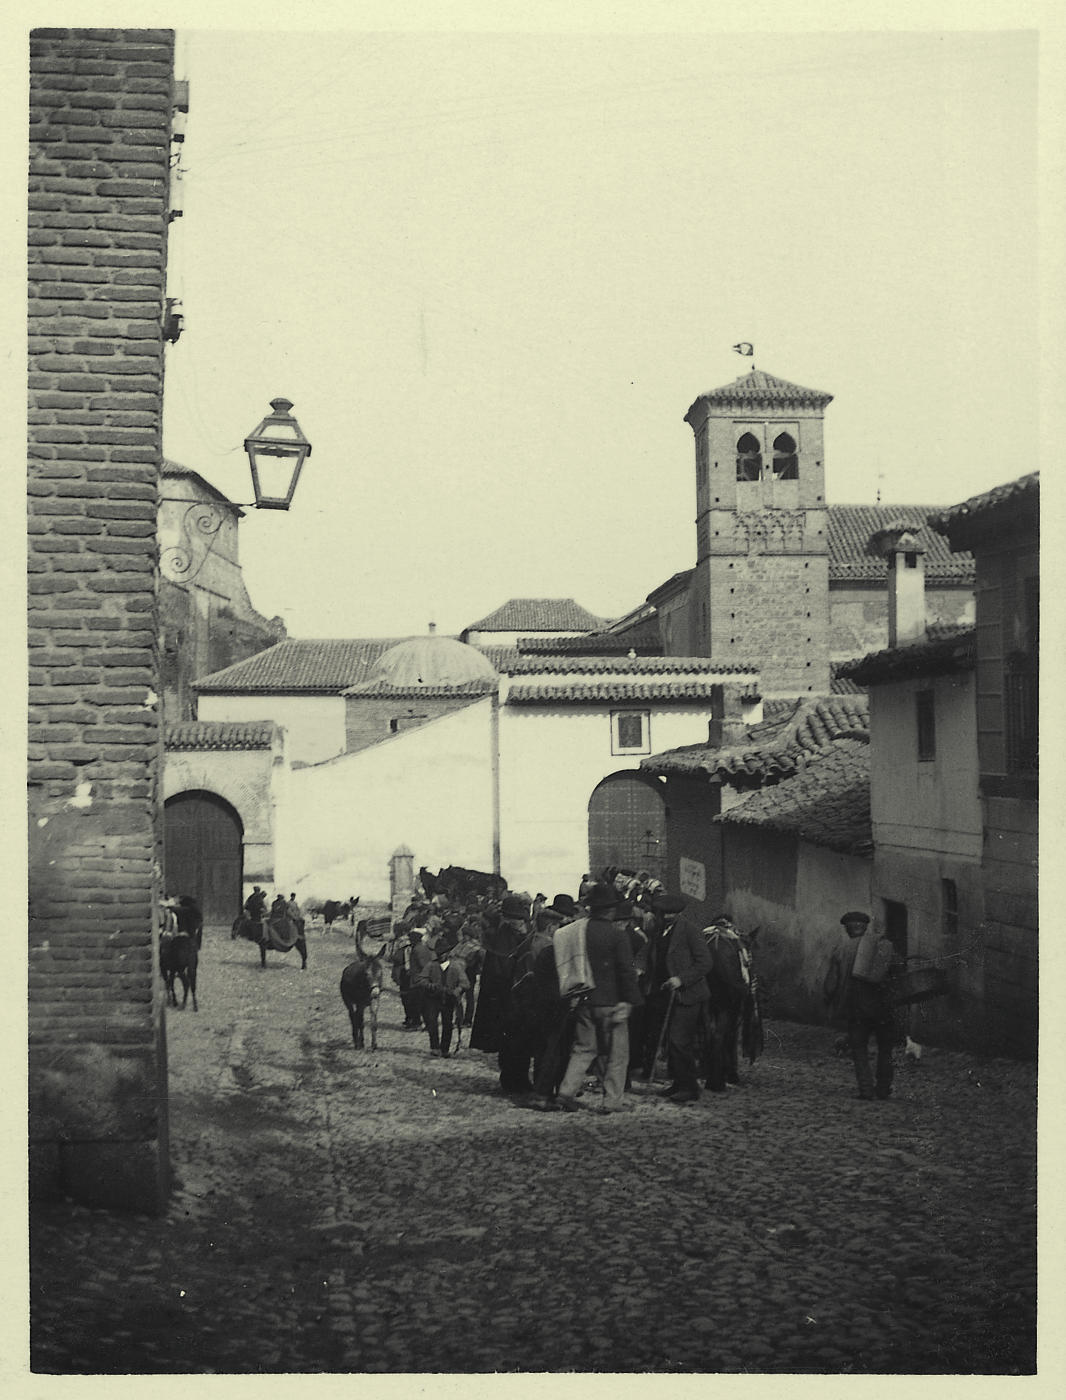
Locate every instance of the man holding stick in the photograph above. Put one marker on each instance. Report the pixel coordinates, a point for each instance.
(679, 962)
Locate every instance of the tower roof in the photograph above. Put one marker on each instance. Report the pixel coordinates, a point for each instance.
(757, 389)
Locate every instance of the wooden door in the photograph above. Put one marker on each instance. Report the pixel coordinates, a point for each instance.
(627, 824)
(203, 854)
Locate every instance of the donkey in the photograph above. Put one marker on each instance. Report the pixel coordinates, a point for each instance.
(361, 983)
(733, 1003)
(178, 959)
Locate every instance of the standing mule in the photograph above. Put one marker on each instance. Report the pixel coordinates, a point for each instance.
(178, 959)
(733, 1003)
(361, 983)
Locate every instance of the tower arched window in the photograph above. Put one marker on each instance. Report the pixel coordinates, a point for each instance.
(786, 458)
(749, 458)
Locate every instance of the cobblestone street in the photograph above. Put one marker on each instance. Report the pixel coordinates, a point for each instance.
(346, 1211)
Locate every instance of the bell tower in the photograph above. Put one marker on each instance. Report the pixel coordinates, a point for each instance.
(760, 588)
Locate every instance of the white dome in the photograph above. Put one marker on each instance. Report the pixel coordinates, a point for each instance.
(433, 661)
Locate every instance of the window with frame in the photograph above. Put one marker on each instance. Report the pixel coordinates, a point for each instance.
(925, 713)
(630, 731)
(749, 458)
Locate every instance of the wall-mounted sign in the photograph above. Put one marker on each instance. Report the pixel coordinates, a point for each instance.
(693, 878)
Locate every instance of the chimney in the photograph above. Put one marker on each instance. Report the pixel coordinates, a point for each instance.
(726, 725)
(900, 546)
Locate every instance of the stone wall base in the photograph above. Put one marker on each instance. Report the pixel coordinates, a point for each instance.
(126, 1176)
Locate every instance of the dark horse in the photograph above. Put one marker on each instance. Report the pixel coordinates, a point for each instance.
(278, 932)
(734, 1004)
(361, 983)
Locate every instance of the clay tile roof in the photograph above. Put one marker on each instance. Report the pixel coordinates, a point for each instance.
(1024, 489)
(826, 802)
(539, 615)
(662, 666)
(850, 529)
(840, 685)
(326, 667)
(482, 686)
(673, 584)
(758, 387)
(777, 746)
(950, 649)
(613, 691)
(220, 734)
(643, 639)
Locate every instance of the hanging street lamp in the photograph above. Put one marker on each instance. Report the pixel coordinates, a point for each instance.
(276, 452)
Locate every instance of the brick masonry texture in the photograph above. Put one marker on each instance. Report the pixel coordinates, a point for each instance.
(100, 102)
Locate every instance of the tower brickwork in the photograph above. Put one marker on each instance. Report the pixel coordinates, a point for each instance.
(760, 588)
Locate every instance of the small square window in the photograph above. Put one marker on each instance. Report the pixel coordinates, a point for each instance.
(630, 731)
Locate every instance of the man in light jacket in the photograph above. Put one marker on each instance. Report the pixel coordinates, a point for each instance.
(602, 1029)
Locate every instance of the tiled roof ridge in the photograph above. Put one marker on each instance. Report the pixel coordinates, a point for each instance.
(649, 665)
(611, 689)
(433, 690)
(588, 643)
(219, 734)
(758, 385)
(943, 520)
(953, 650)
(826, 802)
(779, 746)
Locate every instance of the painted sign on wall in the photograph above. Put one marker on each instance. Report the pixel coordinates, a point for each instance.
(693, 878)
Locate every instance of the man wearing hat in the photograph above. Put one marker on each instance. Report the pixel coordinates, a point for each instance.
(678, 961)
(501, 1022)
(556, 1013)
(855, 994)
(602, 1026)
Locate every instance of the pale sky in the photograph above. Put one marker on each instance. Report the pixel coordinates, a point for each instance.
(492, 271)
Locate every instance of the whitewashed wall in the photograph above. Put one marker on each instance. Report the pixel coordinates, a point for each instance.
(551, 758)
(313, 724)
(932, 806)
(428, 788)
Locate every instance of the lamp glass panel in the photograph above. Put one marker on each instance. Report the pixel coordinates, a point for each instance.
(283, 432)
(275, 472)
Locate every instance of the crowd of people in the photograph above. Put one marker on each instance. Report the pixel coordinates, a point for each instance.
(592, 990)
(580, 991)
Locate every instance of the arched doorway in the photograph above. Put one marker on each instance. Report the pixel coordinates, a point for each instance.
(627, 824)
(203, 849)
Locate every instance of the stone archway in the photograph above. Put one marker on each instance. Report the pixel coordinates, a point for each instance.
(627, 824)
(203, 853)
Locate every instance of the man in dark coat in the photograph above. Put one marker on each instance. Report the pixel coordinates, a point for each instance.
(678, 962)
(602, 1029)
(499, 1019)
(855, 994)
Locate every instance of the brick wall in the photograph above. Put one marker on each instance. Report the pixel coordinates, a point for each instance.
(368, 718)
(100, 103)
(772, 609)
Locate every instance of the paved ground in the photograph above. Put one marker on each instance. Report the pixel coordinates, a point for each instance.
(341, 1211)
